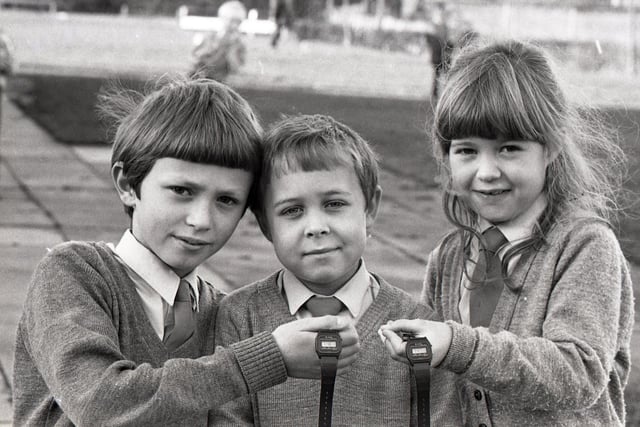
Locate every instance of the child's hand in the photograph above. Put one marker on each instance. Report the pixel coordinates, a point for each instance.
(297, 342)
(439, 335)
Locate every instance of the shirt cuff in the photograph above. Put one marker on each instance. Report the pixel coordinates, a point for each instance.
(260, 361)
(462, 350)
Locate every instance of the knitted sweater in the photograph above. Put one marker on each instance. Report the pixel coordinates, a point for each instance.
(375, 391)
(86, 353)
(557, 350)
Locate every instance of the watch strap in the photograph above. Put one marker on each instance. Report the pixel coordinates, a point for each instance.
(329, 368)
(422, 375)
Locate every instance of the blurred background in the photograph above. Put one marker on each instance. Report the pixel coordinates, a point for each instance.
(373, 64)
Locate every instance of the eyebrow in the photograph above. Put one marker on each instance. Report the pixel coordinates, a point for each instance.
(329, 193)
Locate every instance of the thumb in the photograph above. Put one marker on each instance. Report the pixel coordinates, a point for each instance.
(402, 325)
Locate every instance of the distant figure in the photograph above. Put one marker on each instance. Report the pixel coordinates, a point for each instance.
(440, 44)
(6, 66)
(223, 53)
(284, 20)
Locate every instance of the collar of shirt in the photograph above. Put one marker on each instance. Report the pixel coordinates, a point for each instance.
(352, 294)
(152, 270)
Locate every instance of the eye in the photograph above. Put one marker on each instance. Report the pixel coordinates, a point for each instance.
(335, 204)
(180, 191)
(510, 148)
(228, 200)
(291, 211)
(464, 151)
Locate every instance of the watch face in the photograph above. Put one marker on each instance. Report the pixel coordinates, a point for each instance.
(419, 350)
(328, 343)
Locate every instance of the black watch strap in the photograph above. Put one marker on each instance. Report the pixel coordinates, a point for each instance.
(329, 367)
(418, 350)
(422, 374)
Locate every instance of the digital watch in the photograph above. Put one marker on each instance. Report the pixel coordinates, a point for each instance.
(418, 352)
(328, 348)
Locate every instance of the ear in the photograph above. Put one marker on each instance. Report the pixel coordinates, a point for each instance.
(126, 193)
(372, 210)
(550, 153)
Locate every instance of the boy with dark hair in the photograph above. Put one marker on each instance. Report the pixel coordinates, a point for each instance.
(124, 334)
(318, 199)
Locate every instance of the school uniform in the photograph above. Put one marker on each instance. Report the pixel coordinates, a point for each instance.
(557, 350)
(89, 347)
(375, 390)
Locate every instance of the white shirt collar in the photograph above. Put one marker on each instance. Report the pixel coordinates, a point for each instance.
(351, 294)
(151, 269)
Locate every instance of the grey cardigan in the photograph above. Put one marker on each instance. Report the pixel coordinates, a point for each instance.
(557, 350)
(86, 354)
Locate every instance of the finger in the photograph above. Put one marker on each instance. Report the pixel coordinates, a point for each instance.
(350, 337)
(344, 363)
(393, 341)
(396, 353)
(350, 350)
(315, 324)
(406, 325)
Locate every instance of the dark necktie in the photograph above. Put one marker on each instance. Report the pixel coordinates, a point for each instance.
(487, 282)
(180, 323)
(322, 306)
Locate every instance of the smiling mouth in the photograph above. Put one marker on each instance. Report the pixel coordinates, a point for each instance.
(192, 242)
(491, 192)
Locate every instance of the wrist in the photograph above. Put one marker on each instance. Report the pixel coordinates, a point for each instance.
(462, 348)
(261, 361)
(440, 353)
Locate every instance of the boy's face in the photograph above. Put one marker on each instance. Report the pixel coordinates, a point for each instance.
(318, 225)
(186, 211)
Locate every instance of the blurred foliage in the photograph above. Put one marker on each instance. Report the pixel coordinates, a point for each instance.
(313, 9)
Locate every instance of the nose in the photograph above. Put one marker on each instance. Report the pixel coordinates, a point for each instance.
(316, 225)
(200, 215)
(488, 168)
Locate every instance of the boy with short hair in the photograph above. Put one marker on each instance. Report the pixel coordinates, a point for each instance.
(123, 334)
(318, 199)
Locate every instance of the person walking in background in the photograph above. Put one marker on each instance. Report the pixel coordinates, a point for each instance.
(220, 54)
(531, 297)
(283, 16)
(124, 334)
(6, 65)
(440, 45)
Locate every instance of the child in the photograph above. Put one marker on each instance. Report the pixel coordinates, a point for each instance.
(219, 55)
(516, 157)
(6, 64)
(319, 196)
(124, 335)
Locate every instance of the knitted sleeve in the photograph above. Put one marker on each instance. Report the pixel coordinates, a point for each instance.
(232, 327)
(581, 291)
(69, 332)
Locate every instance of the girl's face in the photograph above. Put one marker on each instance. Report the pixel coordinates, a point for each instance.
(499, 180)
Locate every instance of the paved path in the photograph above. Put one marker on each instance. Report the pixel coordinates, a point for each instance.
(50, 192)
